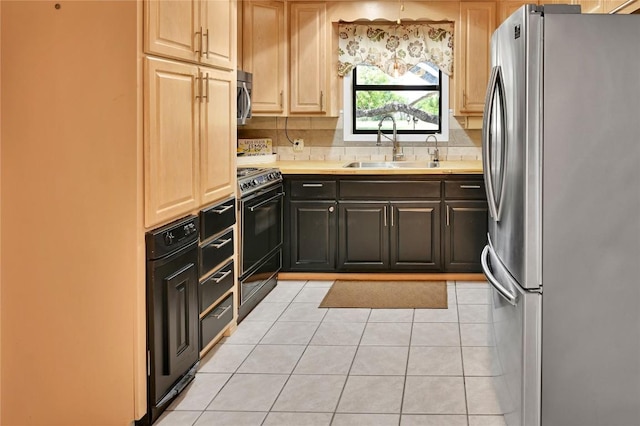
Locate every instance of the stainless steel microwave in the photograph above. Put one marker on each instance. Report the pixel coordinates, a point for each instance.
(245, 81)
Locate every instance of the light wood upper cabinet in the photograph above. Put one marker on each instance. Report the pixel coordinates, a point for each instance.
(263, 53)
(472, 66)
(217, 136)
(308, 82)
(220, 23)
(506, 9)
(170, 140)
(189, 140)
(192, 30)
(170, 28)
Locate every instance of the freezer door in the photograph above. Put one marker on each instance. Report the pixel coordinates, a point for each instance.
(511, 145)
(515, 329)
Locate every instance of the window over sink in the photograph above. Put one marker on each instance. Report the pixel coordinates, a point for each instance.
(416, 97)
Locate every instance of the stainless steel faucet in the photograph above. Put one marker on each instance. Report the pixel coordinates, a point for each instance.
(436, 153)
(397, 155)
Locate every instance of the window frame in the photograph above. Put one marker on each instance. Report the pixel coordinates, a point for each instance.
(348, 112)
(398, 88)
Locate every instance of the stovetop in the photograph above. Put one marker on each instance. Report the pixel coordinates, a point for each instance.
(252, 179)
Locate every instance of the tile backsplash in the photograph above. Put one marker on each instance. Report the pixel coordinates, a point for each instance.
(323, 140)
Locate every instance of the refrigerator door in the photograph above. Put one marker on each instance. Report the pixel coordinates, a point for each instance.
(515, 327)
(591, 218)
(511, 145)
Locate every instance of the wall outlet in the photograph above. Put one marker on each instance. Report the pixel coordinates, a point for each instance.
(298, 145)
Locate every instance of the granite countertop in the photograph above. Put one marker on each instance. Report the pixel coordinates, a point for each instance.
(302, 167)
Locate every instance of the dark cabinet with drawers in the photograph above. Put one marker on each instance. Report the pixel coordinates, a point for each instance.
(412, 223)
(216, 270)
(465, 225)
(310, 237)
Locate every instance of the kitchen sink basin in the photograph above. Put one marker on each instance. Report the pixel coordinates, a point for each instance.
(392, 165)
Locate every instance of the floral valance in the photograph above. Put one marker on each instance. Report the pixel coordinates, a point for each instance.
(391, 46)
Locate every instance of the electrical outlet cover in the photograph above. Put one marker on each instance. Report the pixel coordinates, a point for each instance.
(298, 145)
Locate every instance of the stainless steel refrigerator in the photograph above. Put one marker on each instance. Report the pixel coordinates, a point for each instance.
(561, 152)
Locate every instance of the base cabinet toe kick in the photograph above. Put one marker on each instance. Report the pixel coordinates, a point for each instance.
(413, 223)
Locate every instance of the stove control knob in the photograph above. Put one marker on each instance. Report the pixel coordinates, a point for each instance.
(189, 229)
(169, 238)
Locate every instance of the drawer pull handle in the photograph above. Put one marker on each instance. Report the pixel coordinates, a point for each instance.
(223, 209)
(222, 277)
(223, 243)
(470, 186)
(312, 185)
(224, 311)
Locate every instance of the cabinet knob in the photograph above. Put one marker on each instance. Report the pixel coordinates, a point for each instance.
(331, 209)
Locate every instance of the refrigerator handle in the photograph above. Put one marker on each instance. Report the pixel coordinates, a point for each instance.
(495, 85)
(511, 298)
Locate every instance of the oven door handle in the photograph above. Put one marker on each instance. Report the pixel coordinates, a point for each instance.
(268, 200)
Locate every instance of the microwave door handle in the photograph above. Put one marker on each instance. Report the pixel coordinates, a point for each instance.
(247, 98)
(509, 297)
(486, 138)
(244, 86)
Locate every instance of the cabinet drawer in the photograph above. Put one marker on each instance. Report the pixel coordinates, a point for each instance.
(313, 189)
(216, 285)
(375, 190)
(467, 189)
(216, 321)
(216, 218)
(215, 252)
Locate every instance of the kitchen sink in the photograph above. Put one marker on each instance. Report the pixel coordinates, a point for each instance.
(392, 165)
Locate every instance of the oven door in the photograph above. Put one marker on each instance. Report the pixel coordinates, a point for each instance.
(261, 226)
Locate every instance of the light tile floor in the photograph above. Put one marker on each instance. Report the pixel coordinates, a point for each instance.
(292, 363)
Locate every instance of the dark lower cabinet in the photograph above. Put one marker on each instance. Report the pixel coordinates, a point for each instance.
(402, 235)
(379, 223)
(465, 235)
(415, 235)
(363, 240)
(312, 235)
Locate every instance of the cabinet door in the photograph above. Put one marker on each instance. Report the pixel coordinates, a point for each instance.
(415, 235)
(465, 235)
(219, 22)
(308, 57)
(477, 23)
(263, 54)
(506, 9)
(217, 135)
(363, 236)
(172, 28)
(170, 140)
(313, 235)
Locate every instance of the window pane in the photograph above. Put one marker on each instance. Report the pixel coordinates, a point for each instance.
(410, 109)
(421, 74)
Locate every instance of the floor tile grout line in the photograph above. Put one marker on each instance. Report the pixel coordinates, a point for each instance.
(464, 378)
(294, 367)
(335, 411)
